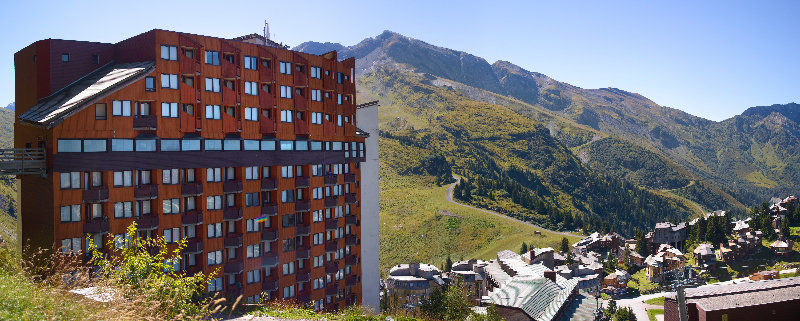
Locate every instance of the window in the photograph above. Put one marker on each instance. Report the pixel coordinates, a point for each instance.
(253, 251)
(215, 285)
(96, 210)
(251, 172)
(316, 95)
(170, 145)
(287, 171)
(214, 174)
(288, 292)
(286, 68)
(286, 92)
(315, 72)
(317, 216)
(252, 225)
(316, 118)
(169, 81)
(145, 178)
(316, 145)
(169, 52)
(190, 144)
(71, 213)
(144, 108)
(172, 235)
(150, 83)
(232, 144)
(212, 57)
(96, 59)
(94, 145)
(214, 230)
(319, 238)
(71, 245)
(212, 112)
(123, 178)
(250, 62)
(316, 169)
(212, 85)
(267, 145)
(288, 268)
(251, 144)
(121, 108)
(69, 145)
(171, 206)
(64, 57)
(169, 110)
(213, 144)
(287, 145)
(301, 145)
(170, 176)
(286, 116)
(214, 202)
(123, 210)
(214, 257)
(316, 193)
(250, 88)
(70, 180)
(100, 111)
(251, 199)
(145, 145)
(253, 276)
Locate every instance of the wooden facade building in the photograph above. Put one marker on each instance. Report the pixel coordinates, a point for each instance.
(198, 137)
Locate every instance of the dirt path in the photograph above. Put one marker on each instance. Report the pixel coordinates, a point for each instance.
(450, 199)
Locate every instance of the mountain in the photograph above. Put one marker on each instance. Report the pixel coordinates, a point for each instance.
(720, 165)
(10, 106)
(318, 48)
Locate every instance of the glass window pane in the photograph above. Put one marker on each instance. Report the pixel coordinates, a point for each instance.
(233, 144)
(69, 145)
(145, 145)
(122, 145)
(170, 145)
(287, 145)
(190, 144)
(213, 144)
(251, 144)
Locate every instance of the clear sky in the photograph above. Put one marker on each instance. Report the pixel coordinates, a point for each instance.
(711, 59)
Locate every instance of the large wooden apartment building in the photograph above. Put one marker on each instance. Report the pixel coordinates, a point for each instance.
(198, 137)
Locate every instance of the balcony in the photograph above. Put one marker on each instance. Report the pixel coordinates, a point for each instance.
(303, 276)
(266, 74)
(188, 93)
(269, 209)
(332, 289)
(351, 260)
(351, 220)
(331, 201)
(191, 189)
(145, 192)
(328, 128)
(232, 213)
(193, 246)
(350, 177)
(147, 222)
(269, 260)
(233, 291)
(192, 217)
(303, 230)
(304, 297)
(188, 66)
(350, 198)
(302, 206)
(232, 186)
(329, 81)
(234, 267)
(270, 284)
(268, 184)
(96, 226)
(352, 280)
(351, 240)
(229, 69)
(331, 223)
(188, 122)
(331, 179)
(233, 240)
(95, 195)
(266, 125)
(230, 124)
(300, 103)
(194, 269)
(302, 181)
(300, 127)
(269, 235)
(303, 253)
(332, 245)
(349, 87)
(266, 99)
(145, 122)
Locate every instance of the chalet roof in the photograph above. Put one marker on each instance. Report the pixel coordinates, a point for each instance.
(540, 298)
(53, 109)
(721, 297)
(779, 244)
(704, 249)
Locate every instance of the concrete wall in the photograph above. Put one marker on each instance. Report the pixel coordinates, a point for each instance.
(367, 118)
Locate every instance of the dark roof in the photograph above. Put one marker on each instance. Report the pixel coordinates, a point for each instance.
(720, 297)
(53, 109)
(368, 104)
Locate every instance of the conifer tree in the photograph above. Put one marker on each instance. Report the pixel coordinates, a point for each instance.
(524, 248)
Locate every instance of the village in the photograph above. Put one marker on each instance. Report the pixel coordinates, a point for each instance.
(714, 257)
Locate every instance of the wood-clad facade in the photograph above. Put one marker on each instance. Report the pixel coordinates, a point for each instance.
(227, 92)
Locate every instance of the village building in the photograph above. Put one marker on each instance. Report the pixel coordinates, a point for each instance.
(781, 247)
(773, 300)
(473, 274)
(704, 256)
(618, 279)
(409, 284)
(764, 275)
(539, 255)
(598, 243)
(666, 259)
(667, 233)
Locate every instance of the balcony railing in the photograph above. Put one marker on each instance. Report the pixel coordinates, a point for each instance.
(232, 186)
(351, 260)
(231, 124)
(233, 240)
(303, 253)
(194, 269)
(350, 177)
(145, 192)
(331, 179)
(269, 260)
(304, 297)
(352, 280)
(269, 209)
(23, 161)
(303, 276)
(302, 181)
(332, 289)
(331, 223)
(302, 206)
(145, 122)
(188, 122)
(147, 222)
(268, 184)
(300, 127)
(331, 201)
(350, 198)
(266, 100)
(270, 284)
(188, 66)
(192, 217)
(96, 226)
(232, 213)
(269, 235)
(332, 245)
(188, 93)
(266, 125)
(234, 267)
(351, 240)
(229, 69)
(191, 189)
(96, 194)
(302, 230)
(193, 246)
(233, 291)
(351, 220)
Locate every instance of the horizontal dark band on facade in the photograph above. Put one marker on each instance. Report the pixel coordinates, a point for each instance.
(115, 161)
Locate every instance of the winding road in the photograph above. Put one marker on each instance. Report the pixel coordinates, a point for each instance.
(450, 199)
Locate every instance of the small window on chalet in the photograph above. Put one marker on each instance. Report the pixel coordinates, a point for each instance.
(212, 57)
(266, 63)
(266, 88)
(189, 81)
(150, 83)
(169, 52)
(64, 57)
(34, 58)
(187, 52)
(230, 85)
(229, 58)
(96, 59)
(100, 111)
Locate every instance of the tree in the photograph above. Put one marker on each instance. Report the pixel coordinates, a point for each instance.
(612, 307)
(448, 265)
(448, 304)
(624, 314)
(524, 248)
(564, 245)
(785, 231)
(641, 244)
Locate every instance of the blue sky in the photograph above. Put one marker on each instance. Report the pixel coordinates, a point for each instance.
(711, 59)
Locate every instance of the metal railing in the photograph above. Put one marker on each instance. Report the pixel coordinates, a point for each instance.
(23, 161)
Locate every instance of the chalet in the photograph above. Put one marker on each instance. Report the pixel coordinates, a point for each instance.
(667, 258)
(781, 247)
(409, 284)
(667, 233)
(473, 274)
(618, 279)
(704, 256)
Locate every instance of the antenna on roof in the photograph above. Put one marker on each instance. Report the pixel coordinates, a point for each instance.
(266, 30)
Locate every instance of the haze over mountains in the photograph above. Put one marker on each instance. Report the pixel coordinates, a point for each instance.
(698, 163)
